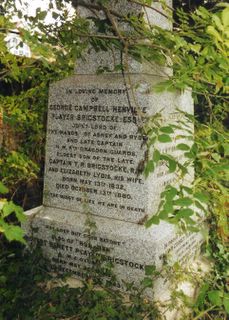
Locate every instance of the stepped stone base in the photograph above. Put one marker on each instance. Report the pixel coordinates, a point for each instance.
(67, 241)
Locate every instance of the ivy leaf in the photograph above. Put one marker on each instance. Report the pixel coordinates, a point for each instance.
(170, 193)
(149, 2)
(14, 233)
(42, 15)
(226, 302)
(3, 279)
(202, 295)
(52, 309)
(182, 168)
(163, 214)
(172, 162)
(195, 47)
(218, 22)
(152, 220)
(193, 229)
(223, 167)
(147, 282)
(164, 138)
(8, 208)
(215, 296)
(189, 155)
(191, 222)
(183, 202)
(194, 149)
(183, 147)
(202, 197)
(172, 165)
(156, 156)
(3, 189)
(20, 214)
(150, 270)
(216, 157)
(225, 17)
(55, 15)
(168, 207)
(226, 149)
(149, 168)
(167, 129)
(187, 189)
(212, 31)
(187, 212)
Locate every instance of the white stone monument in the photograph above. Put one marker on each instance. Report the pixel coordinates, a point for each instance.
(93, 152)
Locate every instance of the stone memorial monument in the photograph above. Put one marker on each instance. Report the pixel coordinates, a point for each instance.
(93, 151)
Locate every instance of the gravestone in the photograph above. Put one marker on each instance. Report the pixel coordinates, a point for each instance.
(92, 176)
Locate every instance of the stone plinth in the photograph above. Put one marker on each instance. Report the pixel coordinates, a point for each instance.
(128, 246)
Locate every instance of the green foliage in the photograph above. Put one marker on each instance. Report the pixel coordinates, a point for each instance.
(24, 86)
(197, 50)
(212, 171)
(11, 231)
(28, 292)
(16, 167)
(212, 299)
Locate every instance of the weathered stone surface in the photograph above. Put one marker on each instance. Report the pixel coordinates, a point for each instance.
(107, 61)
(128, 246)
(95, 150)
(95, 153)
(92, 60)
(127, 7)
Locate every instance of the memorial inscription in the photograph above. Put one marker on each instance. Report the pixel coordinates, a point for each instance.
(94, 148)
(70, 248)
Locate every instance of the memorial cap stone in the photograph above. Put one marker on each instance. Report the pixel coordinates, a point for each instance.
(107, 60)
